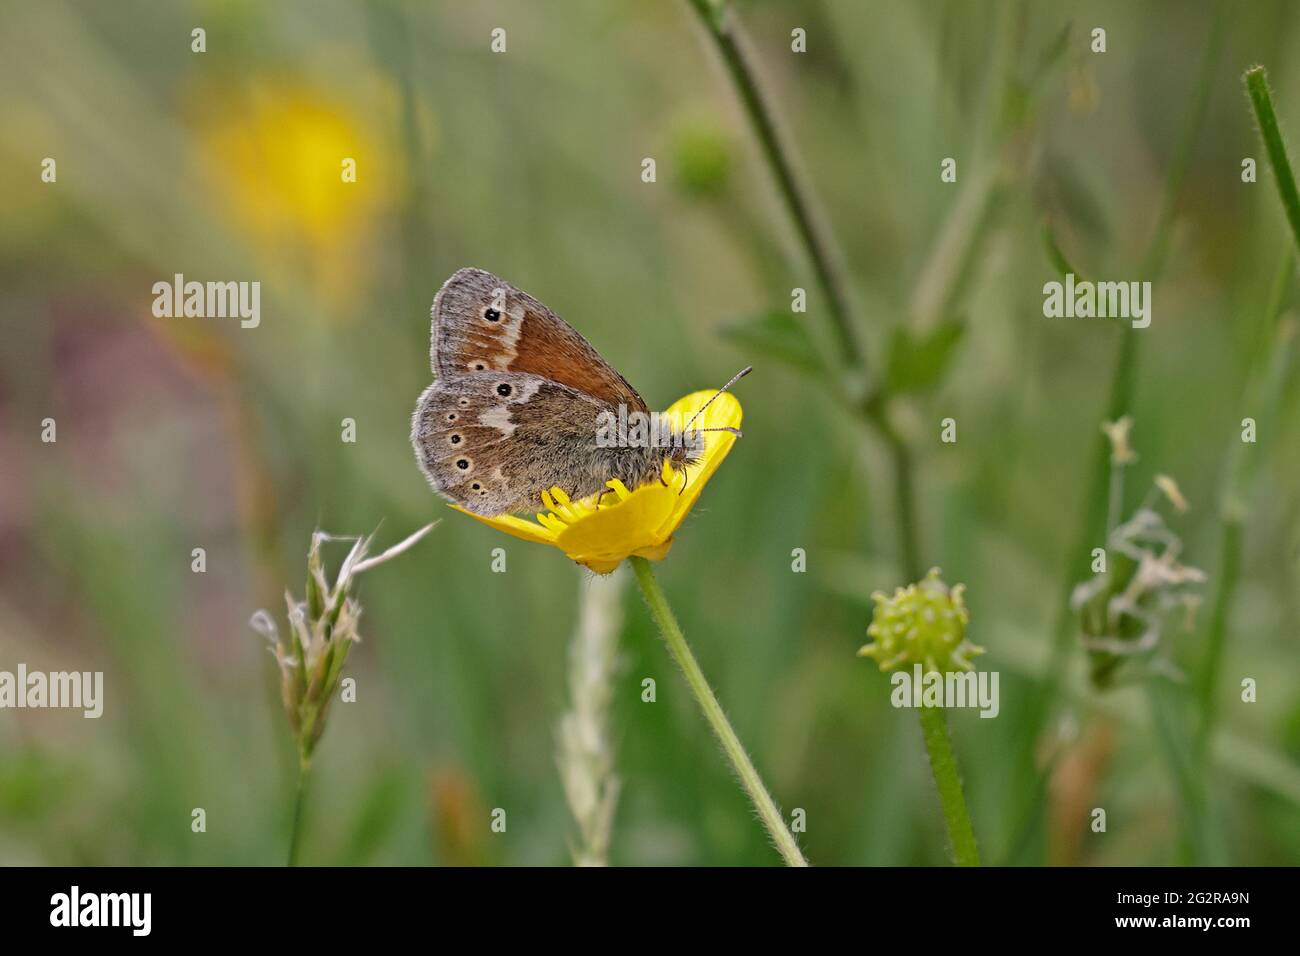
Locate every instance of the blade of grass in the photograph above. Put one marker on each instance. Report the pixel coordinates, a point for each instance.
(1119, 402)
(1234, 506)
(1262, 101)
(1201, 844)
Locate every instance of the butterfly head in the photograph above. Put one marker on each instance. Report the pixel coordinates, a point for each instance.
(685, 450)
(687, 446)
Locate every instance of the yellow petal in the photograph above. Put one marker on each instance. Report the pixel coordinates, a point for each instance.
(724, 412)
(656, 553)
(620, 489)
(605, 563)
(599, 565)
(512, 525)
(623, 527)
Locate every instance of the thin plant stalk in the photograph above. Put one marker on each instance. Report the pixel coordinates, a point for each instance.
(1234, 506)
(299, 811)
(722, 26)
(906, 523)
(699, 685)
(1262, 101)
(947, 269)
(1268, 375)
(311, 657)
(1097, 499)
(724, 30)
(1124, 376)
(956, 817)
(585, 740)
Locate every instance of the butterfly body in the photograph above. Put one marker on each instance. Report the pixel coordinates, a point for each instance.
(520, 403)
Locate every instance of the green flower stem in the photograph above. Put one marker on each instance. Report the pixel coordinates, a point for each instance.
(907, 528)
(934, 726)
(299, 811)
(1262, 101)
(731, 745)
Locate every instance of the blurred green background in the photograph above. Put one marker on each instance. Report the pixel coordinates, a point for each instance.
(183, 433)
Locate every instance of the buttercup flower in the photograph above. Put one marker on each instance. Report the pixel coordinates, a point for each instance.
(638, 522)
(923, 623)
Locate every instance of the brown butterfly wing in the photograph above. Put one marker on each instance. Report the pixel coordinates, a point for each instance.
(493, 441)
(482, 323)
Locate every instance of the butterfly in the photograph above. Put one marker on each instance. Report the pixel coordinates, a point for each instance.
(520, 403)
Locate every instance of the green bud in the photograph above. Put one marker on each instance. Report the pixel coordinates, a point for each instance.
(703, 160)
(923, 623)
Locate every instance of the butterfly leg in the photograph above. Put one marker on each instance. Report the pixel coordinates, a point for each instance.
(601, 497)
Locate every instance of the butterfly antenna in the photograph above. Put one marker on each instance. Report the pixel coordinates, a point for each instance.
(734, 379)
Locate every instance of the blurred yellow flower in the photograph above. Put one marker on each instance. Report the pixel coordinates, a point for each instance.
(307, 175)
(640, 522)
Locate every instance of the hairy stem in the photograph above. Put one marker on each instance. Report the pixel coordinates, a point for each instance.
(905, 520)
(934, 727)
(731, 745)
(1262, 101)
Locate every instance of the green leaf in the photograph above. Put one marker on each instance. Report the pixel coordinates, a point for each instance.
(778, 334)
(917, 363)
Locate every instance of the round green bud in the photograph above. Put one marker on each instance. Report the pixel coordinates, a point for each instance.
(923, 623)
(703, 159)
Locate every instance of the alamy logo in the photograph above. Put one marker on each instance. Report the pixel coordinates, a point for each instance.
(102, 909)
(209, 300)
(82, 690)
(1102, 300)
(953, 689)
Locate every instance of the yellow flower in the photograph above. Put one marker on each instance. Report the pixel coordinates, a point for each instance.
(640, 522)
(307, 174)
